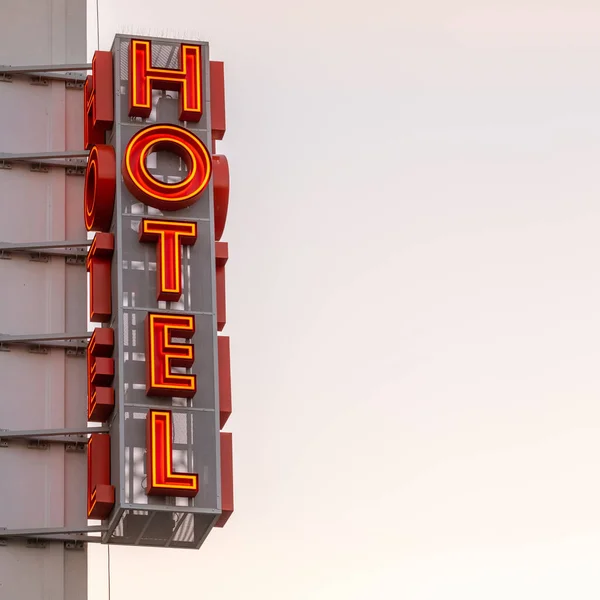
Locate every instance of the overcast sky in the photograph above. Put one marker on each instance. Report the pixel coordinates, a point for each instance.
(413, 301)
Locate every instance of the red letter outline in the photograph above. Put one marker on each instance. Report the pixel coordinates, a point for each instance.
(161, 480)
(169, 237)
(101, 371)
(98, 107)
(98, 265)
(100, 494)
(143, 77)
(162, 355)
(100, 187)
(155, 193)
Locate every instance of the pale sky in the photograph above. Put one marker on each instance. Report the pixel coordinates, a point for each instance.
(413, 301)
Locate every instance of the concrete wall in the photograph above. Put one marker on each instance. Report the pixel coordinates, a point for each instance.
(41, 488)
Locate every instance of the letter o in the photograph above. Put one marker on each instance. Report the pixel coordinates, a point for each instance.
(155, 193)
(100, 186)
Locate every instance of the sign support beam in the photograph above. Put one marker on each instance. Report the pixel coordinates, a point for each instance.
(48, 68)
(38, 433)
(42, 337)
(43, 531)
(13, 247)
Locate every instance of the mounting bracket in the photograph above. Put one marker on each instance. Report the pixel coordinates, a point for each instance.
(70, 73)
(75, 250)
(40, 161)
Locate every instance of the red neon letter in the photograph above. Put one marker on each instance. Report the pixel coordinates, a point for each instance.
(101, 371)
(221, 192)
(224, 362)
(98, 100)
(100, 494)
(217, 100)
(161, 480)
(98, 266)
(170, 236)
(187, 80)
(100, 186)
(226, 442)
(221, 255)
(162, 355)
(155, 193)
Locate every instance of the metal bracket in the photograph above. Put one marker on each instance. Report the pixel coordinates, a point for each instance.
(41, 160)
(5, 165)
(49, 68)
(67, 72)
(48, 340)
(38, 445)
(59, 434)
(38, 80)
(36, 543)
(76, 259)
(37, 349)
(74, 545)
(54, 532)
(67, 440)
(80, 171)
(74, 85)
(71, 249)
(75, 447)
(39, 257)
(76, 352)
(38, 167)
(75, 440)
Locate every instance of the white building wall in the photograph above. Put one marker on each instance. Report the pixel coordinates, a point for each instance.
(41, 488)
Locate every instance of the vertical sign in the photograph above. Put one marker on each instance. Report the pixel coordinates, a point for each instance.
(157, 197)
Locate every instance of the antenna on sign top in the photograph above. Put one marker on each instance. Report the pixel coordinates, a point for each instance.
(108, 550)
(97, 25)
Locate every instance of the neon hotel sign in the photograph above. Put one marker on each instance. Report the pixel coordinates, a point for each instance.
(164, 357)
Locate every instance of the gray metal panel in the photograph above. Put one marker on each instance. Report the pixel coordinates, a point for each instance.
(139, 271)
(46, 572)
(167, 527)
(33, 394)
(35, 496)
(33, 573)
(24, 118)
(33, 299)
(135, 367)
(194, 440)
(46, 487)
(41, 32)
(27, 201)
(76, 306)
